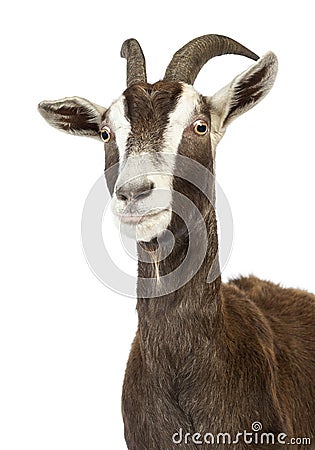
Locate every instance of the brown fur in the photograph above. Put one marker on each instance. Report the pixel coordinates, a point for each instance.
(148, 107)
(217, 358)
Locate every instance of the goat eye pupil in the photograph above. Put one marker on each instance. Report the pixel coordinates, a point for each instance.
(105, 134)
(201, 128)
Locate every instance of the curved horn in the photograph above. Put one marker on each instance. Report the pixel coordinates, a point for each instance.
(188, 61)
(132, 51)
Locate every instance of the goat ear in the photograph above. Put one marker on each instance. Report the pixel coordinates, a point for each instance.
(74, 115)
(244, 92)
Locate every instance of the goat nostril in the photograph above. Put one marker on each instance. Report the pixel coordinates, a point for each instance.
(143, 195)
(144, 192)
(121, 196)
(140, 192)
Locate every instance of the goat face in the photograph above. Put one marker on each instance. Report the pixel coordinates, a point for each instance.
(151, 125)
(145, 129)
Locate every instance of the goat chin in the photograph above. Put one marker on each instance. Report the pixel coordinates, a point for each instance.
(146, 227)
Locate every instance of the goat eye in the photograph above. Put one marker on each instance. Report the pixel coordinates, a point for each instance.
(105, 134)
(200, 127)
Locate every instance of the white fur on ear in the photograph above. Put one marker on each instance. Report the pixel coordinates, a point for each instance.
(244, 92)
(74, 115)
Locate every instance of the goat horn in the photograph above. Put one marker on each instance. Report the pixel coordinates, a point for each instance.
(188, 61)
(132, 51)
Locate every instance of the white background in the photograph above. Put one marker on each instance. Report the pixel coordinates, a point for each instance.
(65, 338)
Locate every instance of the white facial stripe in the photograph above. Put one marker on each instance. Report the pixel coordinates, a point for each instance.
(180, 118)
(120, 125)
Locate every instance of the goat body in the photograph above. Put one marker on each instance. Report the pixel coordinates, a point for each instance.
(242, 357)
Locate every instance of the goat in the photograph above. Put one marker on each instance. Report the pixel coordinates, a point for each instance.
(210, 359)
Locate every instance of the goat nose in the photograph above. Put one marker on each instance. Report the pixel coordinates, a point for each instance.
(134, 191)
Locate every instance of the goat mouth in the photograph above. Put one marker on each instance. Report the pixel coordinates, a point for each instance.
(137, 219)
